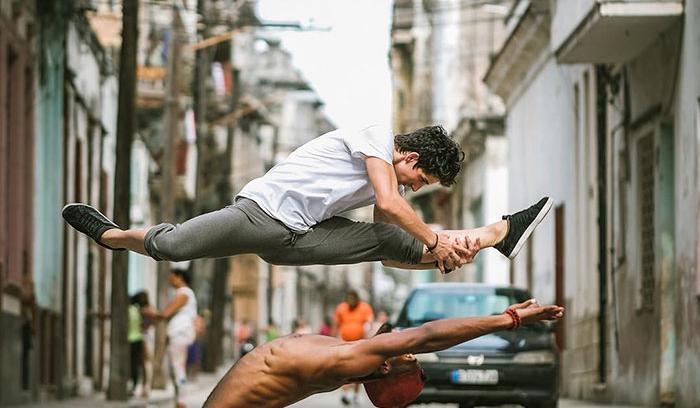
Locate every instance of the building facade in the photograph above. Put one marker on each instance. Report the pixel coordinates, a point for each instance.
(602, 101)
(60, 126)
(439, 53)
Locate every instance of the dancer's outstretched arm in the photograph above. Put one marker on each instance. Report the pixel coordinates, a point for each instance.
(441, 334)
(366, 355)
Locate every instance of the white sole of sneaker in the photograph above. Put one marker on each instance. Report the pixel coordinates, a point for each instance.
(523, 238)
(77, 204)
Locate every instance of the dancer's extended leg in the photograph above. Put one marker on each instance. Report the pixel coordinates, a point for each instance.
(488, 235)
(235, 229)
(131, 239)
(507, 235)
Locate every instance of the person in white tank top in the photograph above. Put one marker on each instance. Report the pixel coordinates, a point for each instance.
(181, 313)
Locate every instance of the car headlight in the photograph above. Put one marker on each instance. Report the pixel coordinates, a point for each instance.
(427, 357)
(534, 357)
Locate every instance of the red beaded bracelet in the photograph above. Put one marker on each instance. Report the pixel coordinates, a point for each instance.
(515, 317)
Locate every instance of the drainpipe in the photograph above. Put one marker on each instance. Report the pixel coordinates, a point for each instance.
(667, 272)
(601, 131)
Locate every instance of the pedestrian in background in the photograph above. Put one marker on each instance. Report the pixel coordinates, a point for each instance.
(271, 331)
(244, 337)
(299, 326)
(382, 317)
(135, 337)
(326, 328)
(180, 313)
(353, 319)
(194, 351)
(148, 316)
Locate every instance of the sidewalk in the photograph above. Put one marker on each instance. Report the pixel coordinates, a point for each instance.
(196, 393)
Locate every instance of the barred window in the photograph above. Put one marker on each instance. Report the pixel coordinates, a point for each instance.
(645, 183)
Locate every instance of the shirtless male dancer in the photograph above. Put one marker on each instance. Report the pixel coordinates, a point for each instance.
(294, 367)
(289, 216)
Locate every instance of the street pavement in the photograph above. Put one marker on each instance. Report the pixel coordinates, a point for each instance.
(332, 400)
(198, 390)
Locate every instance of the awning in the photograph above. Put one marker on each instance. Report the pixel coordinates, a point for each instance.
(614, 32)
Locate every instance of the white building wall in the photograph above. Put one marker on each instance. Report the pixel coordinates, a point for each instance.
(495, 204)
(565, 18)
(142, 269)
(445, 59)
(553, 135)
(687, 172)
(540, 129)
(86, 104)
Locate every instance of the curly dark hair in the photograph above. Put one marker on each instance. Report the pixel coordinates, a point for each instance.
(438, 154)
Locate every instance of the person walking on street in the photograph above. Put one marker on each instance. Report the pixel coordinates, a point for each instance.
(382, 317)
(139, 301)
(326, 328)
(291, 368)
(299, 326)
(289, 216)
(353, 319)
(180, 313)
(271, 331)
(245, 337)
(194, 351)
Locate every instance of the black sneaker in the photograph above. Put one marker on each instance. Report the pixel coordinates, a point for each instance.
(520, 227)
(89, 221)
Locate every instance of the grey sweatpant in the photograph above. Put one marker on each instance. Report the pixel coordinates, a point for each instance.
(244, 228)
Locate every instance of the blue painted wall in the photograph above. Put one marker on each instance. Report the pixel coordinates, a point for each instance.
(48, 171)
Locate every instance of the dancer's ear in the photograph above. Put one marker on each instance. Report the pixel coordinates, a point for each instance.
(411, 157)
(385, 368)
(385, 328)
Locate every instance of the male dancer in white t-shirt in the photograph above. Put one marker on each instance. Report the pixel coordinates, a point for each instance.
(289, 216)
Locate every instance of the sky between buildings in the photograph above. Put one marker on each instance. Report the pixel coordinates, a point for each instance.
(348, 66)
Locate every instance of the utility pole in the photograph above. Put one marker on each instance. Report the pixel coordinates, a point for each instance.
(200, 103)
(206, 156)
(119, 346)
(215, 333)
(167, 185)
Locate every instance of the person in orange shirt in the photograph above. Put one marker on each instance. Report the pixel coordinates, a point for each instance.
(352, 320)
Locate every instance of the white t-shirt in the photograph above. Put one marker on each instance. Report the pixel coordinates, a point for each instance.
(323, 178)
(182, 323)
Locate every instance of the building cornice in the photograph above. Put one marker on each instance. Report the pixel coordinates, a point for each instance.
(528, 40)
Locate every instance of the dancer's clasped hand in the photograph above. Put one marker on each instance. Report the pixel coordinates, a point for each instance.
(454, 252)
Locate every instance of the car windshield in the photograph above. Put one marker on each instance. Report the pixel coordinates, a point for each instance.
(428, 305)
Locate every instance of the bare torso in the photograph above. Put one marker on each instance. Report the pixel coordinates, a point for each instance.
(280, 373)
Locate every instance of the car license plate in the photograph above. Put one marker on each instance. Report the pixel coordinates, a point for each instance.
(475, 376)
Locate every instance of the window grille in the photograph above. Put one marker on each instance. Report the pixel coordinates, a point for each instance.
(645, 179)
